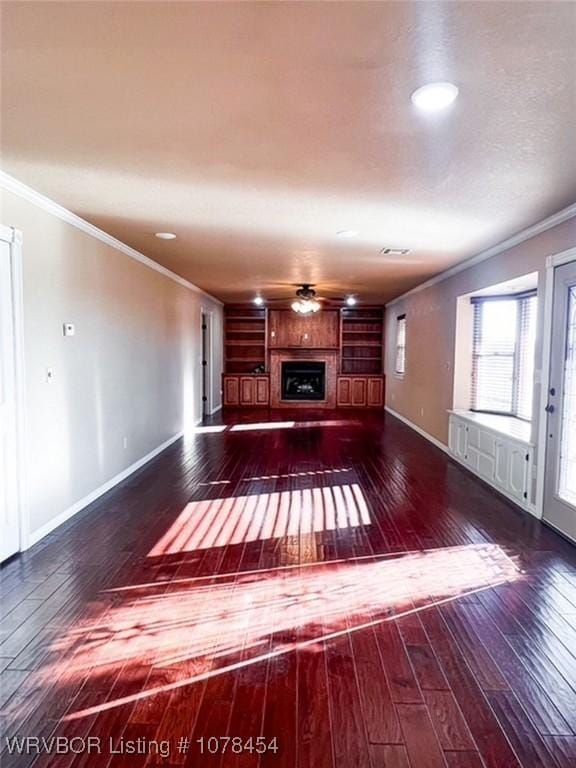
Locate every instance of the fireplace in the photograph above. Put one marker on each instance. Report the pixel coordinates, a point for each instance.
(303, 380)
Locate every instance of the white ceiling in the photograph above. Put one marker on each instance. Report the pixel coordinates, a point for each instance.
(258, 130)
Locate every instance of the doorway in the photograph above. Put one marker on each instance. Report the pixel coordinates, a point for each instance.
(560, 470)
(206, 384)
(11, 517)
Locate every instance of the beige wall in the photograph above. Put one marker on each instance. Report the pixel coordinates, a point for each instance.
(131, 371)
(425, 393)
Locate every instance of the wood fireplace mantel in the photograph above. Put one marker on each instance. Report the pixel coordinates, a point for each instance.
(279, 356)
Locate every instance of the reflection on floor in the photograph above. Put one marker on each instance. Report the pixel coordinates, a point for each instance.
(347, 591)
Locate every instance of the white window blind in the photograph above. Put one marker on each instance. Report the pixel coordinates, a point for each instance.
(400, 366)
(503, 354)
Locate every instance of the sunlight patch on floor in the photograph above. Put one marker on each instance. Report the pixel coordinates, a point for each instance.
(239, 519)
(218, 627)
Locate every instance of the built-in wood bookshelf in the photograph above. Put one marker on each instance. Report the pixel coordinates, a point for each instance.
(362, 341)
(244, 339)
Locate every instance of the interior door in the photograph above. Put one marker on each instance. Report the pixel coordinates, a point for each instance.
(560, 479)
(204, 365)
(9, 514)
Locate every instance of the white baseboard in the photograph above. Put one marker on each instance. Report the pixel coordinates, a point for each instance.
(215, 410)
(38, 534)
(418, 429)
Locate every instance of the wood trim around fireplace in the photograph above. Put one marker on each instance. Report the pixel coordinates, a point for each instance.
(326, 356)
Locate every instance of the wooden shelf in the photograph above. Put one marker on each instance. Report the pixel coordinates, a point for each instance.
(362, 347)
(244, 330)
(360, 333)
(244, 359)
(244, 339)
(357, 334)
(361, 343)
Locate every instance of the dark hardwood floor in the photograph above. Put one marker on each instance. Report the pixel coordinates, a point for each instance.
(335, 585)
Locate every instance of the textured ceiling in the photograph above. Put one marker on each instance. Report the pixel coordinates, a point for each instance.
(257, 131)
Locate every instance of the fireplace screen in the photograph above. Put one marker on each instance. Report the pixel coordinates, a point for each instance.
(303, 380)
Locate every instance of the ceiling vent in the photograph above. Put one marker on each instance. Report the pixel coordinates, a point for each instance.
(395, 251)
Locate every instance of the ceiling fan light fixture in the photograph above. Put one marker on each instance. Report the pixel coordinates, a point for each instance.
(305, 306)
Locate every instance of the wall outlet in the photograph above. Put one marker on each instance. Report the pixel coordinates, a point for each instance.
(69, 329)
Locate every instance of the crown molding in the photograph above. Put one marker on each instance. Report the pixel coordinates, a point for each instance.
(11, 184)
(520, 237)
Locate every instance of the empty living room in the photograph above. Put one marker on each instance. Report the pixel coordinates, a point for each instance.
(288, 384)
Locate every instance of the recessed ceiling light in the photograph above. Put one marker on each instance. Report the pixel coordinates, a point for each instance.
(165, 235)
(434, 97)
(347, 233)
(351, 301)
(258, 300)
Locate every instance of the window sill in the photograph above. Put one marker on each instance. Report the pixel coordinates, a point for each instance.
(504, 425)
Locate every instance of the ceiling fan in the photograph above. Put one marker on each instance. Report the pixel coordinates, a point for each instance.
(307, 301)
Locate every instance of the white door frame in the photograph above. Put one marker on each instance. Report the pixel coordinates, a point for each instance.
(14, 238)
(556, 260)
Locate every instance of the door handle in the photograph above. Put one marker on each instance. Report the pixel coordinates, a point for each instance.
(549, 408)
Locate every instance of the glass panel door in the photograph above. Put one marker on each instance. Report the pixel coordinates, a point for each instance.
(560, 481)
(567, 459)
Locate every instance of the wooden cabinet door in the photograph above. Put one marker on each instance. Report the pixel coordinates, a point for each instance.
(375, 393)
(262, 390)
(359, 391)
(231, 390)
(344, 391)
(246, 390)
(287, 329)
(325, 330)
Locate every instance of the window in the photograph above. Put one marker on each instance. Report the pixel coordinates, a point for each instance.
(503, 354)
(400, 366)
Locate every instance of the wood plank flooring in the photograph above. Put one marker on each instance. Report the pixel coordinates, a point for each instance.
(327, 584)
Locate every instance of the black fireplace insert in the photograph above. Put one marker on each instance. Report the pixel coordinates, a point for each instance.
(303, 380)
